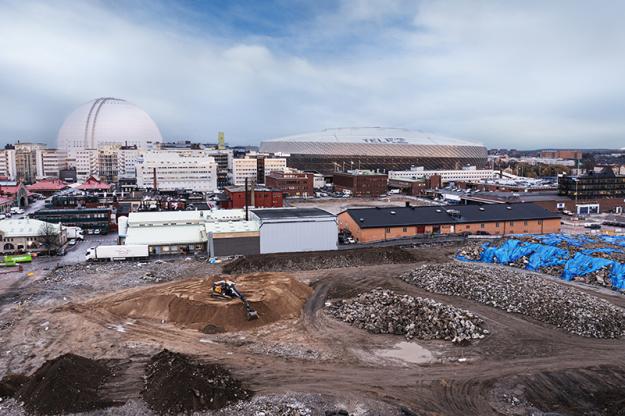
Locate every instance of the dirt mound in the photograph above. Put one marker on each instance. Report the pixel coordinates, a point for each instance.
(315, 260)
(66, 384)
(176, 384)
(11, 383)
(581, 391)
(188, 303)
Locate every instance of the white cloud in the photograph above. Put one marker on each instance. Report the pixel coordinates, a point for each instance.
(508, 74)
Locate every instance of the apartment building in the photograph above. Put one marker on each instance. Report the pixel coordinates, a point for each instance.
(127, 159)
(7, 163)
(176, 169)
(85, 161)
(224, 159)
(50, 162)
(255, 167)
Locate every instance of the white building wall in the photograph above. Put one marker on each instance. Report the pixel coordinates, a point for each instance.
(85, 161)
(7, 163)
(282, 237)
(178, 169)
(50, 162)
(244, 168)
(469, 175)
(127, 160)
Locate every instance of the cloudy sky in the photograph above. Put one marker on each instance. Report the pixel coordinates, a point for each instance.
(522, 74)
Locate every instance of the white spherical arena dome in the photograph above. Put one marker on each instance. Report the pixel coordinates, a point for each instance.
(105, 121)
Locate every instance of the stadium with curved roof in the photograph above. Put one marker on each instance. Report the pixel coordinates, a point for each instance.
(374, 148)
(106, 121)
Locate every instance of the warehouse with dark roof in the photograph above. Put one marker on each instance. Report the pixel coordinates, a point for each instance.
(380, 224)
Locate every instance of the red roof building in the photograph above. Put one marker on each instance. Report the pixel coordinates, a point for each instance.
(17, 193)
(94, 185)
(47, 187)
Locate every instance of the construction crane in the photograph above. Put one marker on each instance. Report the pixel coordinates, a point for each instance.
(226, 289)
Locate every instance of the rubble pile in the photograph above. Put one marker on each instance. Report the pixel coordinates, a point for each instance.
(176, 384)
(385, 312)
(471, 251)
(524, 293)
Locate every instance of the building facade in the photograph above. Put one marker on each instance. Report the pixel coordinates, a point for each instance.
(188, 169)
(293, 184)
(361, 183)
(380, 224)
(604, 184)
(470, 174)
(257, 197)
(255, 167)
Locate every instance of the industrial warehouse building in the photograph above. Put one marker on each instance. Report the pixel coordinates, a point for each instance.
(373, 148)
(227, 232)
(285, 230)
(379, 224)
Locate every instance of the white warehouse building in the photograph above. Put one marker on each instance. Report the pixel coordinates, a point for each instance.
(284, 230)
(189, 169)
(469, 174)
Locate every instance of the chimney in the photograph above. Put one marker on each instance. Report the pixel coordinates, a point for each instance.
(247, 215)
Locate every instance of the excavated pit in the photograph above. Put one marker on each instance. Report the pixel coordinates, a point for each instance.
(189, 304)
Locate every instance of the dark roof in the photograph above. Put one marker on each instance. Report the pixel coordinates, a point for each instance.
(449, 214)
(286, 213)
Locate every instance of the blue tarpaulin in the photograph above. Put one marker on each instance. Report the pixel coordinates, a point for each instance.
(547, 253)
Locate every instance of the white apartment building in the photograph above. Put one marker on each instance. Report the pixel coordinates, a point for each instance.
(177, 169)
(85, 161)
(127, 159)
(248, 167)
(7, 164)
(469, 174)
(50, 162)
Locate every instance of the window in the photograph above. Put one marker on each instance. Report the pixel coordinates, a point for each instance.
(482, 225)
(387, 230)
(405, 229)
(540, 221)
(511, 222)
(525, 222)
(497, 224)
(468, 226)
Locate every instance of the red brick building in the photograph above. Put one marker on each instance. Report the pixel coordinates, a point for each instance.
(257, 197)
(291, 183)
(361, 183)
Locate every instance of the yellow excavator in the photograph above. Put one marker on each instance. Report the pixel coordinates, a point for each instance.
(225, 289)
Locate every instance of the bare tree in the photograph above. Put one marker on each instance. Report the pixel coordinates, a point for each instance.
(50, 237)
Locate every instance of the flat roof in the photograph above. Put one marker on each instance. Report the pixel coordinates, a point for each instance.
(288, 213)
(431, 215)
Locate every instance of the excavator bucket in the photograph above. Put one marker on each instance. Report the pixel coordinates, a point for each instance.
(250, 312)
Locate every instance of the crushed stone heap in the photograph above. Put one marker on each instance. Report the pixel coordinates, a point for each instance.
(386, 312)
(525, 293)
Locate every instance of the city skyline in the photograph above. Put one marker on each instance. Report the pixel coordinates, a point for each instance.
(515, 75)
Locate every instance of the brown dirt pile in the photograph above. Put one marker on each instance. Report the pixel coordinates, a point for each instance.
(11, 383)
(315, 260)
(67, 384)
(188, 303)
(176, 384)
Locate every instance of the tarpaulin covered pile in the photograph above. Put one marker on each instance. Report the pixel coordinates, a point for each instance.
(550, 252)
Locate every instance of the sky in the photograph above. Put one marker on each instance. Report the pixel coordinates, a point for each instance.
(516, 74)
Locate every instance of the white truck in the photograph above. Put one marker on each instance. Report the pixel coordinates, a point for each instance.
(121, 252)
(74, 233)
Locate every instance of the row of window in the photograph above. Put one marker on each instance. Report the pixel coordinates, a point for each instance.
(468, 226)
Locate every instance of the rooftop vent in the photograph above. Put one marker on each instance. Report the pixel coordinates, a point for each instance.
(439, 210)
(393, 212)
(481, 209)
(361, 219)
(508, 207)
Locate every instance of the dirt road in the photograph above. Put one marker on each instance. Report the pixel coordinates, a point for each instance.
(523, 364)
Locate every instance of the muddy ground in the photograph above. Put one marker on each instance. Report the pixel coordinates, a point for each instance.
(318, 363)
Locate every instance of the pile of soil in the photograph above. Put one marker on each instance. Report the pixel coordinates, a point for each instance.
(176, 384)
(579, 391)
(315, 260)
(189, 303)
(67, 384)
(10, 384)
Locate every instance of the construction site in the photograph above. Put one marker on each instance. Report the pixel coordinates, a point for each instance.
(480, 327)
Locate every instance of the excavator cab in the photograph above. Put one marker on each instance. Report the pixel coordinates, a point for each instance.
(226, 289)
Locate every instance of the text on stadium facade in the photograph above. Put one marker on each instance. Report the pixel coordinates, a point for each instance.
(385, 140)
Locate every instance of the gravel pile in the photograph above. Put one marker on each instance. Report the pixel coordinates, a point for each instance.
(525, 293)
(385, 312)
